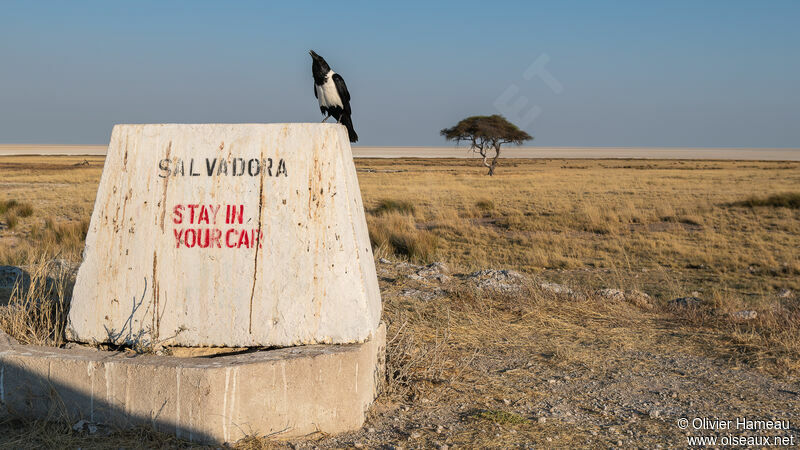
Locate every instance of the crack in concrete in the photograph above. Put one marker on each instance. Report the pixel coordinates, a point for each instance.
(164, 192)
(258, 245)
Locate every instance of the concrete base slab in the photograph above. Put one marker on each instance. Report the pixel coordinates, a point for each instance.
(284, 393)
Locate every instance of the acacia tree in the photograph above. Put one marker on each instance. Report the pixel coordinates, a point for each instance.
(486, 133)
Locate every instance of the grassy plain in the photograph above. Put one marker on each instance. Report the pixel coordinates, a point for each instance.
(666, 227)
(726, 232)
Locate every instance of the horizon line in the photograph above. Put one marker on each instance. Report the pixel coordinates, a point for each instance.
(466, 147)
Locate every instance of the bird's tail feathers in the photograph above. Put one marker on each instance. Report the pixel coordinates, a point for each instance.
(347, 122)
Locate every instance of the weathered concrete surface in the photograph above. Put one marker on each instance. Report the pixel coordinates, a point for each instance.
(158, 269)
(285, 393)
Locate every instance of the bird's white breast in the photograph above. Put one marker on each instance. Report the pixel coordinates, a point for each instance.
(327, 93)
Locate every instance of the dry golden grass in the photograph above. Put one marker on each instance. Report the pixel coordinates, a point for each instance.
(643, 224)
(396, 234)
(51, 193)
(37, 310)
(668, 228)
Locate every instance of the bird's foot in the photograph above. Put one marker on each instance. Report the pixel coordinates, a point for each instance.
(326, 118)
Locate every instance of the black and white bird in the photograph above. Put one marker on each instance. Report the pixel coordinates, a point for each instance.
(330, 90)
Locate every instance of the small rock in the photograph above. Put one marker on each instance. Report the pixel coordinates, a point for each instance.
(424, 295)
(685, 302)
(358, 445)
(432, 272)
(506, 401)
(611, 294)
(11, 275)
(552, 381)
(744, 315)
(439, 429)
(444, 447)
(416, 435)
(433, 268)
(542, 419)
(384, 261)
(637, 293)
(370, 430)
(441, 278)
(555, 288)
(786, 293)
(639, 298)
(85, 425)
(497, 280)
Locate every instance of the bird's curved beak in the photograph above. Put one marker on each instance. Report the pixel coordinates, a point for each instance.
(313, 55)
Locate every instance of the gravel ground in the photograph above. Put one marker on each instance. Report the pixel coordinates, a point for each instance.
(534, 385)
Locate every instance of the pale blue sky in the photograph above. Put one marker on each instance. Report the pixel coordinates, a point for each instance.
(622, 73)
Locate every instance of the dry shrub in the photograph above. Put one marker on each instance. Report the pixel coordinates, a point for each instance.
(390, 205)
(397, 234)
(13, 210)
(485, 205)
(37, 310)
(64, 236)
(770, 342)
(11, 220)
(16, 256)
(414, 360)
(25, 210)
(599, 220)
(426, 339)
(6, 205)
(783, 200)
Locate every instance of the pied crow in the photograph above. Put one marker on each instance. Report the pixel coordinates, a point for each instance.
(330, 90)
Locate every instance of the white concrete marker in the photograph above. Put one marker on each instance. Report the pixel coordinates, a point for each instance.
(227, 235)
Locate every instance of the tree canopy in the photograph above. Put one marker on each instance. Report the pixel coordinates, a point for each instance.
(484, 133)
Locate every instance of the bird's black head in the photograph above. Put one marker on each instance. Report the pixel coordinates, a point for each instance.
(319, 67)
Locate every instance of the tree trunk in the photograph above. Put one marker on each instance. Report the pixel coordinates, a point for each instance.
(486, 161)
(494, 160)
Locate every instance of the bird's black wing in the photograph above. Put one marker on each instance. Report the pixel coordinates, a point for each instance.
(341, 88)
(315, 90)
